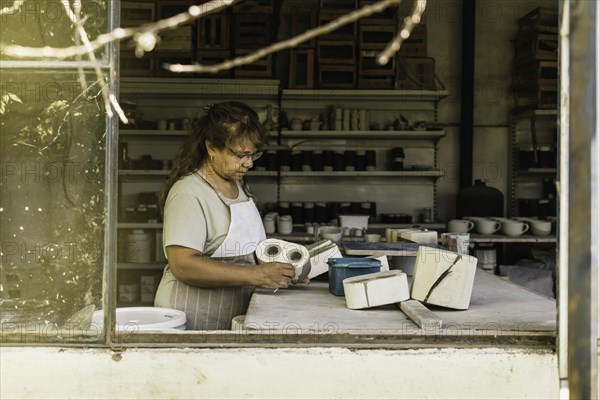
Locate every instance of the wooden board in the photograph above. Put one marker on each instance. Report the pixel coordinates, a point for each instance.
(421, 315)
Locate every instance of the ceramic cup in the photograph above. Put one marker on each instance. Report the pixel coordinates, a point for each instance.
(514, 228)
(284, 224)
(540, 228)
(269, 221)
(460, 225)
(356, 232)
(269, 224)
(487, 226)
(296, 124)
(314, 124)
(309, 228)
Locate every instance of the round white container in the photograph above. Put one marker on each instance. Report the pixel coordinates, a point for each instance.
(486, 258)
(133, 319)
(140, 248)
(237, 323)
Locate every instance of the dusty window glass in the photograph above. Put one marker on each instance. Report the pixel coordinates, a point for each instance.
(53, 135)
(46, 23)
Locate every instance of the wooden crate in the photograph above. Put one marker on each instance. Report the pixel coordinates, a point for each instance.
(416, 44)
(375, 82)
(252, 31)
(388, 16)
(375, 37)
(336, 52)
(176, 40)
(337, 77)
(135, 13)
(174, 58)
(262, 68)
(212, 57)
(130, 65)
(537, 96)
(301, 20)
(169, 8)
(541, 19)
(536, 46)
(255, 6)
(415, 74)
(538, 72)
(340, 4)
(346, 32)
(367, 65)
(213, 32)
(302, 66)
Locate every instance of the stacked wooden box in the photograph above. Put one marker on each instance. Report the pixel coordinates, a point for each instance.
(254, 28)
(374, 34)
(213, 41)
(336, 51)
(133, 14)
(176, 45)
(302, 57)
(415, 71)
(536, 60)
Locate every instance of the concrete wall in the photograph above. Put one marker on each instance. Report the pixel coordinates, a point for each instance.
(496, 27)
(53, 373)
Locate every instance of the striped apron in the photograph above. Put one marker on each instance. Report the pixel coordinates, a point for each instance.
(214, 308)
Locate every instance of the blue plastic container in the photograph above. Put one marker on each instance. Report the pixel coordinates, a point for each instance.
(342, 268)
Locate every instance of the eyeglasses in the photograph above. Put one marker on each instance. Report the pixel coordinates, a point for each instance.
(245, 156)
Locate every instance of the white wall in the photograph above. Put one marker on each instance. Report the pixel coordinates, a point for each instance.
(53, 373)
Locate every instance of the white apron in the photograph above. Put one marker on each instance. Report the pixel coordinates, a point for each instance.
(214, 308)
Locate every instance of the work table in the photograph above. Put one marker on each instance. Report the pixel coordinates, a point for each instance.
(497, 308)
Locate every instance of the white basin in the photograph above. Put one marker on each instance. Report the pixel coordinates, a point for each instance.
(131, 319)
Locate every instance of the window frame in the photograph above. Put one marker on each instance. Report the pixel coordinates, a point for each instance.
(228, 339)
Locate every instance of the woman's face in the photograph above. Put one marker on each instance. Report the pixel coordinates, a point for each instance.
(233, 161)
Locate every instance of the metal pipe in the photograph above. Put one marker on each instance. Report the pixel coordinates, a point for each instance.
(109, 279)
(467, 93)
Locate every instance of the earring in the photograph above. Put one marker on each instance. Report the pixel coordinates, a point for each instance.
(212, 157)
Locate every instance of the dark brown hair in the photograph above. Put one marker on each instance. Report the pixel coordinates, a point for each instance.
(222, 125)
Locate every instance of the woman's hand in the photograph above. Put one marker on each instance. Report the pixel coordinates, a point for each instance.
(275, 275)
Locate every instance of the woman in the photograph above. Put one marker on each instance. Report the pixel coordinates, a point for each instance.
(211, 225)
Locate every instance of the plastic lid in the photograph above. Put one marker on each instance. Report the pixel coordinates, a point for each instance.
(350, 262)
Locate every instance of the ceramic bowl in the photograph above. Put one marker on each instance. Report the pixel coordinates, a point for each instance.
(332, 233)
(372, 237)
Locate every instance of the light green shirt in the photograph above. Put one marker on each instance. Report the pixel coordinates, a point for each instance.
(195, 216)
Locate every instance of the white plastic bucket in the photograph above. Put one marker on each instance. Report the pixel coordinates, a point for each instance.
(131, 319)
